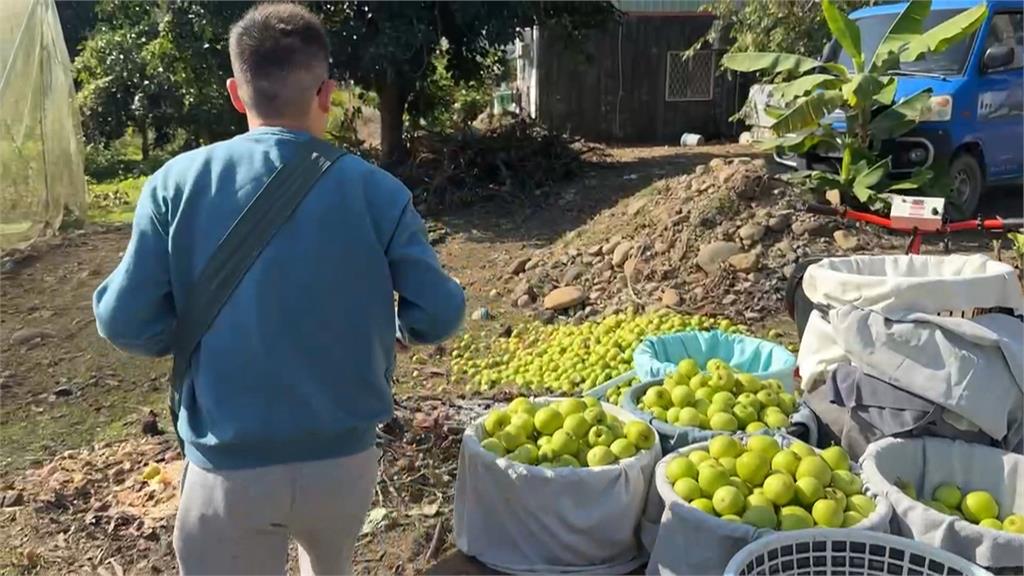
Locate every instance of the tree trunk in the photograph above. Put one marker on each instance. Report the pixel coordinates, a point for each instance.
(144, 133)
(391, 105)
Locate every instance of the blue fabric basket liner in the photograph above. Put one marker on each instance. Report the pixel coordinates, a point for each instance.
(657, 357)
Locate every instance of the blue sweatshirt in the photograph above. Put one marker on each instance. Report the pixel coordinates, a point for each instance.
(298, 364)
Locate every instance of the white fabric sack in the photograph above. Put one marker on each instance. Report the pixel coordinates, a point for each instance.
(690, 541)
(926, 463)
(897, 285)
(526, 519)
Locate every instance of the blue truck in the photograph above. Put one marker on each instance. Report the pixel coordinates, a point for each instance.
(975, 127)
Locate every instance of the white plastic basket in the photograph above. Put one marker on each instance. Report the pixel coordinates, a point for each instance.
(845, 552)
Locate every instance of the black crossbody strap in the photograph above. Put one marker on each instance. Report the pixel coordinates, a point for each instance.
(272, 206)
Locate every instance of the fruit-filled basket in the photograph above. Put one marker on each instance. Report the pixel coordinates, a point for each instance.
(693, 405)
(965, 498)
(658, 356)
(554, 486)
(716, 497)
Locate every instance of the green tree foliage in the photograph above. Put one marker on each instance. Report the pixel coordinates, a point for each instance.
(790, 26)
(158, 68)
(390, 47)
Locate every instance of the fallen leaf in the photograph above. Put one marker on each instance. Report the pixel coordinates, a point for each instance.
(428, 510)
(374, 519)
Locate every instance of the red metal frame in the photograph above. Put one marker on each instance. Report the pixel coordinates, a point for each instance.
(917, 238)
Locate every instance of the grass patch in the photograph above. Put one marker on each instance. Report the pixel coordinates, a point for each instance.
(34, 436)
(114, 202)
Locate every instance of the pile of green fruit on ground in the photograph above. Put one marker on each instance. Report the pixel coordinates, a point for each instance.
(718, 399)
(977, 507)
(761, 484)
(571, 432)
(615, 394)
(568, 358)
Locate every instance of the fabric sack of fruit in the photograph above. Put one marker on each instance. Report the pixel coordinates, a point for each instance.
(554, 486)
(965, 498)
(657, 357)
(696, 402)
(716, 497)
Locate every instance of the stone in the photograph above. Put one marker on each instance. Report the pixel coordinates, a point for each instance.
(564, 297)
(632, 266)
(711, 256)
(781, 221)
(11, 499)
(534, 263)
(546, 316)
(480, 314)
(572, 274)
(519, 266)
(26, 335)
(621, 253)
(846, 240)
(670, 297)
(595, 250)
(493, 293)
(809, 227)
(744, 262)
(523, 289)
(611, 245)
(62, 392)
(785, 247)
(788, 270)
(661, 247)
(751, 233)
(729, 299)
(636, 206)
(524, 301)
(604, 265)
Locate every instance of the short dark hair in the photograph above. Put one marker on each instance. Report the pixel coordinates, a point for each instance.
(279, 55)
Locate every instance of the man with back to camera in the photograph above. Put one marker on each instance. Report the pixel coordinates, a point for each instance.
(283, 394)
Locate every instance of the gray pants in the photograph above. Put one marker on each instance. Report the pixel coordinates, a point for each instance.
(239, 521)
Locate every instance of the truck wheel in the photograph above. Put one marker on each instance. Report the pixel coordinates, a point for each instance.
(967, 181)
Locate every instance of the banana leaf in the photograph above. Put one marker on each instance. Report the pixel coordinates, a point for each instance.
(946, 34)
(900, 117)
(917, 179)
(845, 32)
(789, 91)
(769, 62)
(799, 142)
(862, 88)
(888, 92)
(906, 26)
(808, 112)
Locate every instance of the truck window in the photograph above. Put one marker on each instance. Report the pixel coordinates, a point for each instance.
(1007, 29)
(950, 61)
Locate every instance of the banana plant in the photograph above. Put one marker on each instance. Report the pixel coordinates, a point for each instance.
(812, 90)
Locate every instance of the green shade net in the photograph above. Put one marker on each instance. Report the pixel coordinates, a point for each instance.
(41, 153)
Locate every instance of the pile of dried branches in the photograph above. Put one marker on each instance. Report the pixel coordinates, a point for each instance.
(514, 161)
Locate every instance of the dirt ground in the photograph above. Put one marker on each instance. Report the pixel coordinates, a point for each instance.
(64, 390)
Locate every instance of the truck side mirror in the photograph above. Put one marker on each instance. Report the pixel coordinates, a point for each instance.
(997, 57)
